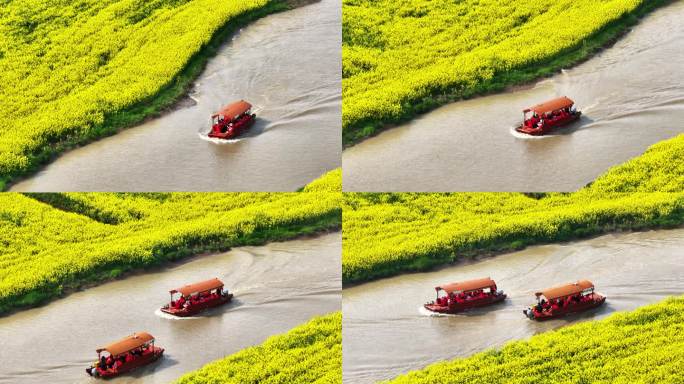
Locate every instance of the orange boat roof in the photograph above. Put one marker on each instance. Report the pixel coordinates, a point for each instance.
(465, 286)
(566, 290)
(551, 105)
(202, 286)
(234, 109)
(126, 344)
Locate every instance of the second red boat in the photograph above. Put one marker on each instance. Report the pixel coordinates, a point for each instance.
(565, 300)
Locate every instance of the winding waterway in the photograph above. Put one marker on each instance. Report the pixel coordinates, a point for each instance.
(386, 332)
(277, 286)
(287, 65)
(631, 94)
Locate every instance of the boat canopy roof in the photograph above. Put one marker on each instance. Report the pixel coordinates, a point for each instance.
(566, 290)
(465, 286)
(126, 344)
(232, 110)
(202, 286)
(551, 105)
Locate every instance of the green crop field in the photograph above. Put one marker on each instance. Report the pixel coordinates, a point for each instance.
(51, 243)
(400, 58)
(310, 353)
(642, 346)
(73, 71)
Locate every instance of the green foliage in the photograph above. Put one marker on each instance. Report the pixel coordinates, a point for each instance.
(405, 57)
(643, 346)
(73, 71)
(50, 243)
(330, 182)
(309, 353)
(389, 233)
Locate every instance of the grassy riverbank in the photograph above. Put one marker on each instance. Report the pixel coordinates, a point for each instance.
(642, 346)
(55, 243)
(390, 234)
(309, 353)
(71, 73)
(405, 58)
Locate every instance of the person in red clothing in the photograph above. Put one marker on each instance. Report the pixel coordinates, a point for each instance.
(533, 120)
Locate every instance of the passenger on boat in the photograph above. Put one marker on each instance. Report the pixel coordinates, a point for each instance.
(533, 121)
(103, 362)
(179, 303)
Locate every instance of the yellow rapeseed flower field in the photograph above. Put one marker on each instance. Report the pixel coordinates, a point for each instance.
(308, 354)
(404, 57)
(50, 243)
(388, 234)
(70, 71)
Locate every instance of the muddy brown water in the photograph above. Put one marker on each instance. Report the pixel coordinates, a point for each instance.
(632, 96)
(386, 332)
(277, 286)
(287, 65)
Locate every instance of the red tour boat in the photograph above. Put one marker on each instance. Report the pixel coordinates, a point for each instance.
(125, 355)
(546, 116)
(232, 120)
(564, 300)
(197, 297)
(465, 295)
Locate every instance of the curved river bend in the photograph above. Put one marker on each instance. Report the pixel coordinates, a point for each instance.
(277, 287)
(287, 65)
(632, 96)
(386, 332)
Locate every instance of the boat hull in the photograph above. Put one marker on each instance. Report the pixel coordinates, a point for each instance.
(596, 302)
(548, 127)
(465, 306)
(197, 308)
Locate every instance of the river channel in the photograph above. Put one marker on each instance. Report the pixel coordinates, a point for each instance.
(277, 287)
(386, 332)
